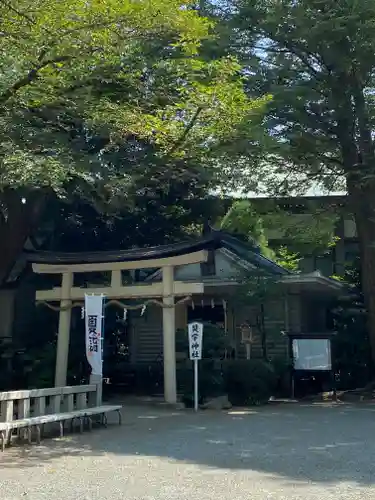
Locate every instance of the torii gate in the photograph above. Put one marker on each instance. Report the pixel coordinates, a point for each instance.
(168, 289)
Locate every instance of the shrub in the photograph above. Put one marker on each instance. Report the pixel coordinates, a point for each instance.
(149, 378)
(249, 381)
(27, 367)
(282, 367)
(211, 382)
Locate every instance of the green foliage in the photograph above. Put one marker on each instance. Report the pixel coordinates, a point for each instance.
(111, 102)
(257, 288)
(27, 366)
(282, 367)
(246, 382)
(249, 382)
(317, 61)
(242, 219)
(351, 346)
(28, 361)
(123, 71)
(49, 51)
(288, 260)
(163, 218)
(308, 233)
(39, 366)
(215, 342)
(211, 382)
(216, 345)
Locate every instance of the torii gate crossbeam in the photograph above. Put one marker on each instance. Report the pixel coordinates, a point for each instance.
(168, 289)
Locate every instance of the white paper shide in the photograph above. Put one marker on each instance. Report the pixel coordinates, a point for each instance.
(94, 333)
(195, 340)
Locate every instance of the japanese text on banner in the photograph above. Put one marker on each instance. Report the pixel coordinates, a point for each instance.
(94, 334)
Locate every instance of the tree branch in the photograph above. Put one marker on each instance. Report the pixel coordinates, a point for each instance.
(188, 128)
(18, 12)
(304, 58)
(302, 53)
(31, 76)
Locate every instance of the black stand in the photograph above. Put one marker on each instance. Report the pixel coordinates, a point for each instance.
(330, 373)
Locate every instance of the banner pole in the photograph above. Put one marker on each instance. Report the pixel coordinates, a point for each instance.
(196, 385)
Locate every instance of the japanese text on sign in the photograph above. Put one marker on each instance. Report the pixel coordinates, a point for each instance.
(195, 340)
(92, 322)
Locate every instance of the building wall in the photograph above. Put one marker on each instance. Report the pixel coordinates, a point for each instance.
(184, 273)
(147, 345)
(274, 325)
(147, 336)
(294, 313)
(147, 333)
(223, 266)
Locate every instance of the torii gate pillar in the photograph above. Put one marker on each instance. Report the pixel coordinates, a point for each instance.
(63, 338)
(169, 340)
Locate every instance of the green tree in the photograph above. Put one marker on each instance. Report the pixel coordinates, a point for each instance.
(108, 101)
(245, 222)
(287, 259)
(313, 233)
(351, 345)
(78, 226)
(317, 58)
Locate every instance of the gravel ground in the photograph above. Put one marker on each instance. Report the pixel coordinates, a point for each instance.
(277, 452)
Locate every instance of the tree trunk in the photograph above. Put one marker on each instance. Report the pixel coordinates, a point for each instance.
(18, 219)
(355, 136)
(362, 201)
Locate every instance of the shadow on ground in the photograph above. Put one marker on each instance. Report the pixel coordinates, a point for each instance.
(321, 443)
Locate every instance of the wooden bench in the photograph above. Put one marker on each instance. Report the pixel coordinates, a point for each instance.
(32, 409)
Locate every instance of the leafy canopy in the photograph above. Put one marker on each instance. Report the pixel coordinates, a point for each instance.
(119, 74)
(317, 59)
(302, 234)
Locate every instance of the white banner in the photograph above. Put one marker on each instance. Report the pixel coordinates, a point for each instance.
(94, 334)
(195, 340)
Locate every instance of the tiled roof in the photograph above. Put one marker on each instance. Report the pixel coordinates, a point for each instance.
(214, 240)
